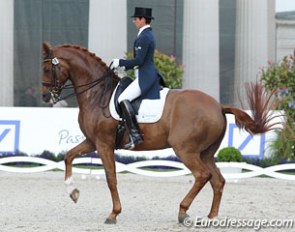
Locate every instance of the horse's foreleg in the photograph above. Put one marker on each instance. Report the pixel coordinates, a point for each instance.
(83, 148)
(108, 160)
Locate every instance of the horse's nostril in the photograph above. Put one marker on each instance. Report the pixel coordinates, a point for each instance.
(46, 97)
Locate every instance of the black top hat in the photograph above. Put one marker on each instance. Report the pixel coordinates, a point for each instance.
(143, 12)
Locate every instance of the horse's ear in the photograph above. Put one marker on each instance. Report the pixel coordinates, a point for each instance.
(46, 50)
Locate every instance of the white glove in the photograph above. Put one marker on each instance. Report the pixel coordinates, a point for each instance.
(115, 64)
(120, 71)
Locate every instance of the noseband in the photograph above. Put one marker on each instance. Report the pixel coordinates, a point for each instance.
(55, 86)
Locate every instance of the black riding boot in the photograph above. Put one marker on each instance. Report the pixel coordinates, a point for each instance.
(131, 122)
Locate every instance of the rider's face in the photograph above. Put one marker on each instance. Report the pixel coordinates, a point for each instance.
(139, 22)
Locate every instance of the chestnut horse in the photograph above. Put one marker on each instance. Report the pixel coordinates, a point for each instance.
(193, 123)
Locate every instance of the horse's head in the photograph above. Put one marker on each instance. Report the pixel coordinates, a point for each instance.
(55, 74)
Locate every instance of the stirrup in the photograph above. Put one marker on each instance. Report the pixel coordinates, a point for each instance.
(132, 142)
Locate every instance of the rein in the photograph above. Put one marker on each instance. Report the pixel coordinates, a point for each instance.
(89, 86)
(56, 88)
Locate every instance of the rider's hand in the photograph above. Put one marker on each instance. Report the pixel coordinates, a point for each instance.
(115, 64)
(120, 71)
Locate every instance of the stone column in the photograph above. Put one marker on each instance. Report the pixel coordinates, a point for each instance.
(201, 46)
(255, 41)
(6, 53)
(108, 29)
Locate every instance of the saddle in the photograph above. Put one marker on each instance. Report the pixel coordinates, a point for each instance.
(146, 110)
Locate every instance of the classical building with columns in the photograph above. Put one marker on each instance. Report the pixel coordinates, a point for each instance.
(221, 43)
(6, 53)
(255, 41)
(285, 34)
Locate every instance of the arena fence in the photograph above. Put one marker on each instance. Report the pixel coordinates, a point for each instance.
(93, 166)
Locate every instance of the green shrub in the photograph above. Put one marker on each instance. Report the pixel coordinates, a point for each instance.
(280, 78)
(284, 145)
(168, 67)
(229, 154)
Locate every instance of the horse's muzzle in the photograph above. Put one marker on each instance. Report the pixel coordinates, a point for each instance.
(46, 97)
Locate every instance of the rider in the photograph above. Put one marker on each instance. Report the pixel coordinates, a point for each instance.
(146, 83)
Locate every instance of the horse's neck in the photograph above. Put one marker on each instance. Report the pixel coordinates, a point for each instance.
(87, 91)
(86, 94)
(85, 70)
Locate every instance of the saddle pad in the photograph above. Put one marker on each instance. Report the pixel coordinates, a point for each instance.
(150, 111)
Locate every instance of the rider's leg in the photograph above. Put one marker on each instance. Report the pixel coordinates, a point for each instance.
(129, 94)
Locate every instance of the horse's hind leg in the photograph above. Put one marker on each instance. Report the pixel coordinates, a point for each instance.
(217, 181)
(83, 148)
(201, 174)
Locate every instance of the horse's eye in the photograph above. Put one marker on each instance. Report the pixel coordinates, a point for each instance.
(46, 70)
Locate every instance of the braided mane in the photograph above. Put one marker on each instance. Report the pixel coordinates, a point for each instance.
(86, 51)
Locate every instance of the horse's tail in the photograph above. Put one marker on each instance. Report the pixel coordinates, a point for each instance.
(260, 104)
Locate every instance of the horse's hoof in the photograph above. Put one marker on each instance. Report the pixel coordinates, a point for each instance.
(75, 195)
(185, 220)
(182, 217)
(110, 221)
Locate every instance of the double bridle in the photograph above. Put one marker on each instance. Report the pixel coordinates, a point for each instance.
(55, 86)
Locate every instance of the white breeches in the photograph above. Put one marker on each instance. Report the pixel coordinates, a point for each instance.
(131, 92)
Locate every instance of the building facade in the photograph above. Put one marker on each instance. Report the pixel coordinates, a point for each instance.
(221, 43)
(285, 34)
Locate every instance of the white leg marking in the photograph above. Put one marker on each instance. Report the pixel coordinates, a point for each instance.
(69, 185)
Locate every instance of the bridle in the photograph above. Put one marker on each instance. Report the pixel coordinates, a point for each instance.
(56, 87)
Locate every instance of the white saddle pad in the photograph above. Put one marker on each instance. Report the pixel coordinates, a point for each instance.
(150, 111)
